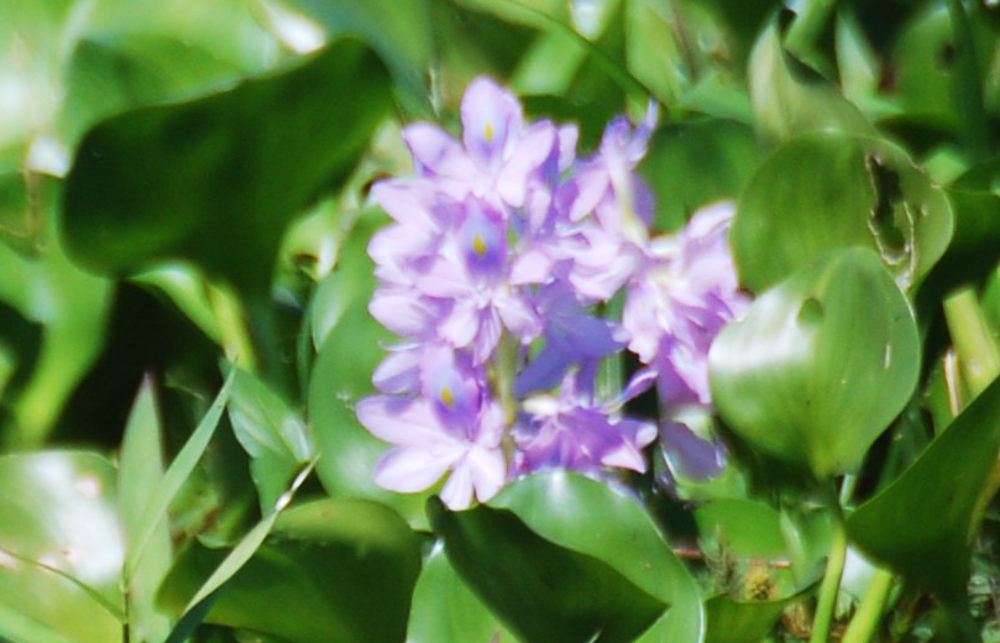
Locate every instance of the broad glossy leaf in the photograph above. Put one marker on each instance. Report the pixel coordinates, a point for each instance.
(140, 470)
(330, 570)
(351, 349)
(216, 179)
(791, 98)
(830, 190)
(820, 364)
(922, 524)
(272, 433)
(61, 545)
(593, 518)
(445, 609)
(542, 591)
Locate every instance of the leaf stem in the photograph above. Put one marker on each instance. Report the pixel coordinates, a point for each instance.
(869, 613)
(831, 584)
(978, 355)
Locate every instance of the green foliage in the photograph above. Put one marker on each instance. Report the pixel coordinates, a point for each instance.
(215, 161)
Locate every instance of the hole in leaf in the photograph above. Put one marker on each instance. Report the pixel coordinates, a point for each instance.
(811, 312)
(889, 211)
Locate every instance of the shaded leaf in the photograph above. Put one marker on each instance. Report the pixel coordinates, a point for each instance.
(175, 477)
(543, 592)
(922, 524)
(272, 433)
(592, 518)
(330, 570)
(208, 181)
(732, 621)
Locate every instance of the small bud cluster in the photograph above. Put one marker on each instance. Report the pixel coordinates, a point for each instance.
(500, 248)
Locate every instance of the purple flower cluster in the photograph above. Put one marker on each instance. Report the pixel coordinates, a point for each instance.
(500, 248)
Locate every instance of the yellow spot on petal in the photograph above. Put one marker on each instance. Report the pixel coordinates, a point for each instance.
(489, 133)
(479, 246)
(447, 396)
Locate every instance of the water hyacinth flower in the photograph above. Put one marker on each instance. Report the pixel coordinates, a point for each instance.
(454, 427)
(499, 249)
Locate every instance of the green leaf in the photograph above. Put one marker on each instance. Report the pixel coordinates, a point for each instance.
(445, 609)
(351, 349)
(107, 75)
(401, 32)
(61, 548)
(172, 481)
(732, 621)
(140, 471)
(187, 289)
(651, 50)
(542, 591)
(820, 364)
(922, 524)
(592, 518)
(746, 528)
(830, 190)
(207, 181)
(791, 98)
(272, 434)
(694, 163)
(73, 306)
(330, 570)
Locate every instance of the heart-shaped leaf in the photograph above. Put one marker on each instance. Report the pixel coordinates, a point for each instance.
(820, 364)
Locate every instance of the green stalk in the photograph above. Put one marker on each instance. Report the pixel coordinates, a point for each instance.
(977, 351)
(831, 584)
(866, 619)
